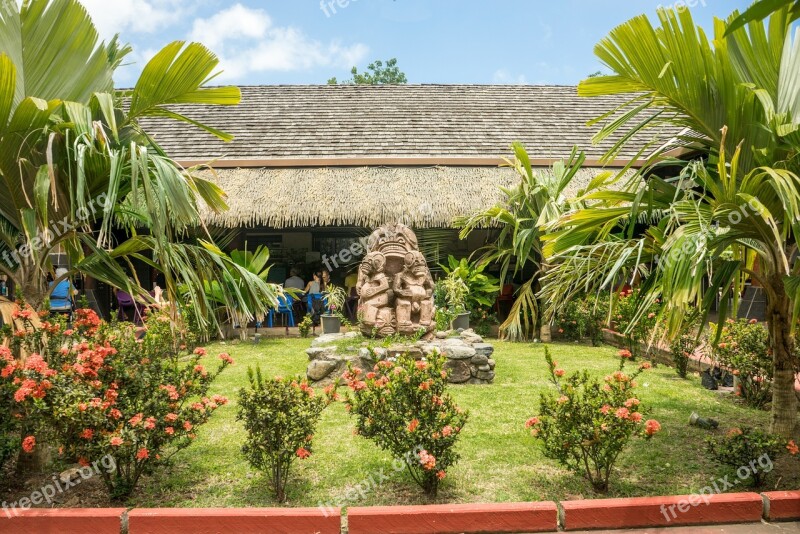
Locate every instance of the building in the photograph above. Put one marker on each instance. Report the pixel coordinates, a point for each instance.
(314, 168)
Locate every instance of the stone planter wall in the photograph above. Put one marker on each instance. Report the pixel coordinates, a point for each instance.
(469, 359)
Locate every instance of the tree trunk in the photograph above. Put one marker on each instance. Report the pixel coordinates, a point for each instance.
(784, 398)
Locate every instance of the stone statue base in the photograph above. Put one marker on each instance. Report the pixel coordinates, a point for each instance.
(469, 359)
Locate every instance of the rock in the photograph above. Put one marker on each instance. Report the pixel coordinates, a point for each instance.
(491, 363)
(483, 348)
(320, 353)
(458, 352)
(70, 475)
(486, 375)
(379, 352)
(480, 359)
(471, 337)
(476, 381)
(429, 348)
(329, 339)
(364, 353)
(319, 369)
(484, 368)
(441, 334)
(459, 371)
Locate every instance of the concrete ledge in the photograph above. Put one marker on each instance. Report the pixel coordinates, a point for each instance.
(454, 518)
(233, 521)
(62, 521)
(781, 505)
(662, 511)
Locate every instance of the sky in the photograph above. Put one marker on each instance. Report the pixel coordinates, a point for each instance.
(435, 41)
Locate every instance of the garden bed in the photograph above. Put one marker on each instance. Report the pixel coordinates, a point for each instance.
(500, 461)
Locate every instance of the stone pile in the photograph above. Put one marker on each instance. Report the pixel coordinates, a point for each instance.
(469, 359)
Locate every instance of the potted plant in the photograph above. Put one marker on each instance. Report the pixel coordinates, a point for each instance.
(455, 294)
(334, 300)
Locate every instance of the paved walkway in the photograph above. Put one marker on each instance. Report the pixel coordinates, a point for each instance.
(749, 528)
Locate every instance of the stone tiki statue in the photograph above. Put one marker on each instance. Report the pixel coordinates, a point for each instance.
(395, 287)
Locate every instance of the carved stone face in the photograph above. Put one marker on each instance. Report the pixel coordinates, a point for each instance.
(397, 239)
(415, 263)
(373, 263)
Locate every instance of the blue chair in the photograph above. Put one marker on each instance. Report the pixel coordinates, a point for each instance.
(284, 308)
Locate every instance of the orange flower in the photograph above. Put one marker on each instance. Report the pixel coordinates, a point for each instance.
(116, 441)
(793, 448)
(28, 444)
(532, 421)
(412, 426)
(651, 426)
(302, 453)
(142, 454)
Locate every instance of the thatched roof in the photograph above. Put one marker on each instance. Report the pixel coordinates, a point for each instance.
(423, 197)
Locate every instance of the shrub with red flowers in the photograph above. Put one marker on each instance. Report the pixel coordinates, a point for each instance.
(280, 416)
(106, 393)
(403, 406)
(743, 348)
(583, 317)
(587, 423)
(9, 413)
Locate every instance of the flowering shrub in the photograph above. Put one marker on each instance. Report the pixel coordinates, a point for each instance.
(743, 347)
(305, 326)
(624, 315)
(583, 318)
(402, 406)
(741, 447)
(280, 416)
(9, 421)
(105, 393)
(587, 424)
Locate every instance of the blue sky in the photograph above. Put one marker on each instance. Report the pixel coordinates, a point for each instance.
(435, 41)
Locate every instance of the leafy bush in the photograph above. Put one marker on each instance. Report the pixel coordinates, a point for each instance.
(741, 448)
(403, 407)
(280, 416)
(586, 425)
(9, 423)
(105, 393)
(482, 319)
(305, 326)
(583, 318)
(482, 288)
(743, 347)
(682, 348)
(624, 317)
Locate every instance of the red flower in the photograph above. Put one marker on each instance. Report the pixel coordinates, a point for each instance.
(200, 351)
(428, 461)
(413, 425)
(187, 426)
(169, 430)
(651, 426)
(225, 357)
(28, 444)
(302, 453)
(142, 454)
(559, 372)
(625, 353)
(793, 448)
(116, 441)
(440, 474)
(622, 413)
(636, 417)
(605, 409)
(532, 421)
(87, 433)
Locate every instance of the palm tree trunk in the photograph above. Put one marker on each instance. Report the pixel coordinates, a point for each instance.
(784, 398)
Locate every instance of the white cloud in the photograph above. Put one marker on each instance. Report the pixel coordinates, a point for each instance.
(134, 16)
(247, 41)
(503, 77)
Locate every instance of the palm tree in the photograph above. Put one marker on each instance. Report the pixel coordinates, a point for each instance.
(732, 210)
(537, 200)
(76, 168)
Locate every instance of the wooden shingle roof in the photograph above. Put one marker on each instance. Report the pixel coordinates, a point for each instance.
(392, 121)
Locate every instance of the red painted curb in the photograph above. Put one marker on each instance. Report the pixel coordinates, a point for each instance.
(62, 521)
(454, 518)
(781, 505)
(234, 521)
(663, 511)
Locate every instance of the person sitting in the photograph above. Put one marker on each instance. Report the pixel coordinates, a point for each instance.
(325, 276)
(127, 308)
(314, 286)
(294, 281)
(61, 294)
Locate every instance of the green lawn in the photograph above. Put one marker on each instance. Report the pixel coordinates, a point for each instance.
(500, 460)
